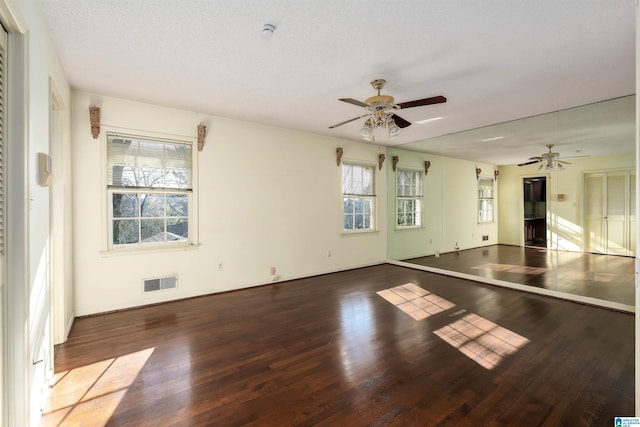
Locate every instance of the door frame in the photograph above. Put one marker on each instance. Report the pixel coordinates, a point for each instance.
(521, 205)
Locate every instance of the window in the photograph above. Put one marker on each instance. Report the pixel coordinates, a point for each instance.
(149, 190)
(409, 198)
(485, 200)
(358, 196)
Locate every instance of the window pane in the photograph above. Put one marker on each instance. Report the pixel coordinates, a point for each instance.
(125, 231)
(409, 219)
(177, 228)
(152, 205)
(359, 208)
(348, 222)
(125, 205)
(348, 206)
(357, 179)
(153, 230)
(358, 221)
(367, 181)
(368, 206)
(137, 161)
(177, 205)
(151, 177)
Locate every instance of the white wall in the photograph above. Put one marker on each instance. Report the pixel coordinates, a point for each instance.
(450, 207)
(268, 197)
(33, 64)
(569, 211)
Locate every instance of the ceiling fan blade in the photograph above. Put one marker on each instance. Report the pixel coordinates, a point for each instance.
(354, 102)
(347, 121)
(400, 122)
(421, 102)
(528, 163)
(563, 162)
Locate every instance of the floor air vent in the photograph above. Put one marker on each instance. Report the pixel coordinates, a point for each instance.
(160, 283)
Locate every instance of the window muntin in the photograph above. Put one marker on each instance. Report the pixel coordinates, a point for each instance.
(358, 197)
(408, 198)
(485, 200)
(149, 189)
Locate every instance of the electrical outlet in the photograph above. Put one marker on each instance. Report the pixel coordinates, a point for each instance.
(220, 266)
(273, 271)
(329, 254)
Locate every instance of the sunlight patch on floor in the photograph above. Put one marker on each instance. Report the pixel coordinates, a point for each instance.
(89, 395)
(415, 301)
(481, 340)
(521, 269)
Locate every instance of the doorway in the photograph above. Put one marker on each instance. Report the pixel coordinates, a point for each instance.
(535, 211)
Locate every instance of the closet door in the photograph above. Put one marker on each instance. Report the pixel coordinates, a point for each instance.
(616, 214)
(609, 213)
(594, 213)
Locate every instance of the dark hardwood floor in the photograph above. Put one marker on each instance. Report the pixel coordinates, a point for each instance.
(346, 349)
(605, 277)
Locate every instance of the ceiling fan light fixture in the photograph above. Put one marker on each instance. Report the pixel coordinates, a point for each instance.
(380, 109)
(393, 129)
(367, 130)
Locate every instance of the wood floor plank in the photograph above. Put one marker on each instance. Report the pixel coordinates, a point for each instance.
(329, 350)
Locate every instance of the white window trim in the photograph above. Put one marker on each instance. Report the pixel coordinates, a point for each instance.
(493, 205)
(360, 231)
(395, 192)
(107, 246)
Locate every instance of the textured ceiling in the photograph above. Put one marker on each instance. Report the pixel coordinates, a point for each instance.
(495, 60)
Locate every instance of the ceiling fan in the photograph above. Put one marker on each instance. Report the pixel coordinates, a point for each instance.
(548, 161)
(380, 111)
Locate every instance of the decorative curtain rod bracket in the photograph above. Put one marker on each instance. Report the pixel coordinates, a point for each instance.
(394, 160)
(427, 165)
(381, 158)
(94, 119)
(339, 152)
(495, 174)
(478, 171)
(202, 133)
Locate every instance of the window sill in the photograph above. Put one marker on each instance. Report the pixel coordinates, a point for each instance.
(359, 232)
(141, 250)
(419, 227)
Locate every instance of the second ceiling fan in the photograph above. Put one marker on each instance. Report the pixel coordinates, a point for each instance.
(380, 111)
(548, 161)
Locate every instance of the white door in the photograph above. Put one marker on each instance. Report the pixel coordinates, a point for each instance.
(616, 214)
(609, 213)
(594, 213)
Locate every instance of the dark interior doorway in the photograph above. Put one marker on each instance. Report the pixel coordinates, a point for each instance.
(535, 211)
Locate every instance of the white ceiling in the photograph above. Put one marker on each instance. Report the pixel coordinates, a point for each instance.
(495, 61)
